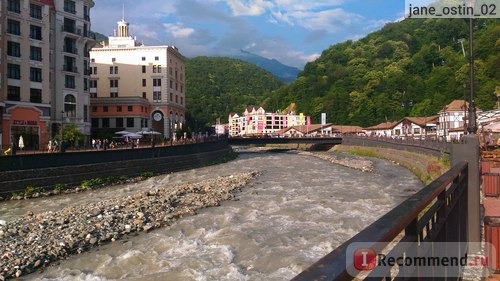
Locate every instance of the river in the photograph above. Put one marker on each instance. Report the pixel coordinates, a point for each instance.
(299, 209)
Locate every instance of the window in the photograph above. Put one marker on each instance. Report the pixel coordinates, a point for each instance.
(36, 11)
(113, 59)
(143, 95)
(157, 96)
(93, 83)
(113, 94)
(156, 82)
(14, 6)
(130, 122)
(143, 69)
(119, 108)
(171, 84)
(171, 97)
(182, 100)
(85, 113)
(158, 68)
(95, 69)
(70, 65)
(86, 12)
(13, 49)
(116, 69)
(35, 74)
(129, 108)
(70, 105)
(143, 58)
(182, 89)
(105, 122)
(113, 83)
(156, 58)
(35, 32)
(105, 108)
(69, 81)
(69, 6)
(70, 45)
(69, 25)
(35, 53)
(176, 99)
(94, 108)
(85, 84)
(110, 70)
(95, 122)
(13, 93)
(13, 27)
(144, 82)
(176, 86)
(13, 71)
(119, 122)
(36, 95)
(154, 68)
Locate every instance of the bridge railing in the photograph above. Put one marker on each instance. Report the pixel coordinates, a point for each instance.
(446, 210)
(438, 212)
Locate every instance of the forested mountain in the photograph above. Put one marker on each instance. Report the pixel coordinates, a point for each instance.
(409, 68)
(217, 86)
(285, 73)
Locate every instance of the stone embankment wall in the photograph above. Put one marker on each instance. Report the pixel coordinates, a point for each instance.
(71, 168)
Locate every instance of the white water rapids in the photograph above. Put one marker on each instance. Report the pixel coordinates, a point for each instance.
(299, 209)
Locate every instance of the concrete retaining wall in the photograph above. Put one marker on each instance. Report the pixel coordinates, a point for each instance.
(73, 167)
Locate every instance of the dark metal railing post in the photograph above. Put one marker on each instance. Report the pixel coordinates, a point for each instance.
(468, 150)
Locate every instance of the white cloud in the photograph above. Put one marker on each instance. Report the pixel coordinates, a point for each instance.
(178, 30)
(249, 7)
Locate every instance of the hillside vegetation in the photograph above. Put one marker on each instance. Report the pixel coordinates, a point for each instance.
(217, 86)
(408, 68)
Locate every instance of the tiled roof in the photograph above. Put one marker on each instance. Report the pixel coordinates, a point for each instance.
(422, 121)
(456, 105)
(383, 126)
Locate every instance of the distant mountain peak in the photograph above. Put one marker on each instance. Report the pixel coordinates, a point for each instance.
(284, 72)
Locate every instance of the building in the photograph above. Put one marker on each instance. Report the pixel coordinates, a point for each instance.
(452, 120)
(44, 53)
(255, 121)
(134, 86)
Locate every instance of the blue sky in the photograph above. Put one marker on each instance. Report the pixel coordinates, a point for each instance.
(291, 31)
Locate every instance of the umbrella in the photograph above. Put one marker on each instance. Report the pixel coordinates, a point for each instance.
(133, 136)
(149, 133)
(21, 142)
(494, 127)
(123, 132)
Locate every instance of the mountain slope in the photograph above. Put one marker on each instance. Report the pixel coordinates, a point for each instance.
(408, 68)
(285, 73)
(217, 86)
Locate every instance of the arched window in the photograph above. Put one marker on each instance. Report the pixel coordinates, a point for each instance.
(70, 105)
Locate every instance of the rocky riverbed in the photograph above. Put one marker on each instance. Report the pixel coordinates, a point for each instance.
(346, 160)
(36, 240)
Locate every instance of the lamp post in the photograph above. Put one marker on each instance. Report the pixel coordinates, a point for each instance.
(472, 128)
(61, 145)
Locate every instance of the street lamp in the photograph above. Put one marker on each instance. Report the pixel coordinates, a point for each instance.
(61, 145)
(472, 128)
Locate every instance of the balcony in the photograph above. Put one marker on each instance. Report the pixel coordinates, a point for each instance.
(70, 49)
(70, 68)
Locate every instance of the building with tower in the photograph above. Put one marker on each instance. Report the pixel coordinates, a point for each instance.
(133, 86)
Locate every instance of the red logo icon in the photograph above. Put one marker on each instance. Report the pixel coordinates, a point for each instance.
(365, 259)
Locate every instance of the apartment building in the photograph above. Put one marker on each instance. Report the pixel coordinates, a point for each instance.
(134, 86)
(255, 121)
(44, 55)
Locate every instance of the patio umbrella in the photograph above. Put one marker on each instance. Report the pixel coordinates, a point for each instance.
(21, 142)
(123, 132)
(149, 133)
(133, 136)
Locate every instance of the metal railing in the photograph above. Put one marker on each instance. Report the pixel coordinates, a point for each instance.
(438, 212)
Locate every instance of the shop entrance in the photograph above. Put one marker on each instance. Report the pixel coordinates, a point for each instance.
(30, 134)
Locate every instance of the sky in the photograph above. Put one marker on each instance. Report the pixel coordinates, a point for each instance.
(293, 32)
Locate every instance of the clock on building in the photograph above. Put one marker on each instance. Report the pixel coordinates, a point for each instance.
(157, 116)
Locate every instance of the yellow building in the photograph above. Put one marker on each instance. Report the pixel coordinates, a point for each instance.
(148, 80)
(43, 78)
